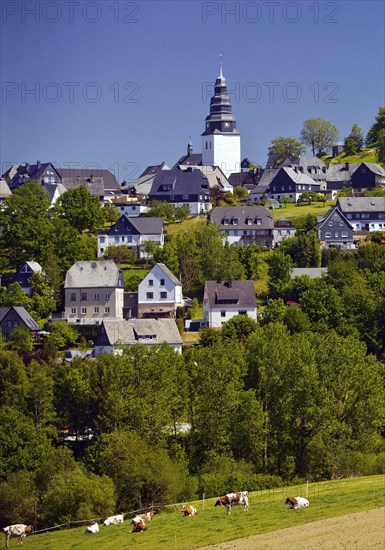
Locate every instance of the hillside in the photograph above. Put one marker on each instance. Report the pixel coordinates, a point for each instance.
(366, 155)
(169, 530)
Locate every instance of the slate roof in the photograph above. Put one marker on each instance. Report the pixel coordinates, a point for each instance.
(134, 331)
(242, 213)
(298, 177)
(179, 182)
(27, 172)
(23, 314)
(375, 168)
(214, 175)
(237, 293)
(94, 274)
(340, 172)
(193, 159)
(154, 169)
(321, 220)
(142, 186)
(361, 204)
(137, 226)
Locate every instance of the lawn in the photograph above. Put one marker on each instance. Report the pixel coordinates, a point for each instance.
(292, 210)
(169, 530)
(172, 229)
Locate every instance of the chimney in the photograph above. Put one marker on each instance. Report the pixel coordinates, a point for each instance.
(230, 283)
(346, 166)
(38, 164)
(26, 166)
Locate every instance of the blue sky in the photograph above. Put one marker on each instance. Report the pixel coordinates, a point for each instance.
(122, 85)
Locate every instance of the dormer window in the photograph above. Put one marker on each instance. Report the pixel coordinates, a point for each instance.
(249, 221)
(226, 221)
(258, 221)
(235, 221)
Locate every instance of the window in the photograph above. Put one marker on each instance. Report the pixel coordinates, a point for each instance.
(84, 296)
(344, 233)
(223, 313)
(163, 295)
(108, 296)
(150, 295)
(122, 239)
(341, 224)
(185, 197)
(73, 311)
(349, 216)
(235, 221)
(328, 234)
(330, 223)
(106, 310)
(96, 297)
(225, 221)
(241, 312)
(116, 239)
(73, 297)
(102, 239)
(150, 282)
(162, 282)
(83, 310)
(336, 234)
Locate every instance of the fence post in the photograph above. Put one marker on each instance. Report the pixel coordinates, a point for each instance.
(203, 501)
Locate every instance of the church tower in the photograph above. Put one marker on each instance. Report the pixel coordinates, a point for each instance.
(221, 144)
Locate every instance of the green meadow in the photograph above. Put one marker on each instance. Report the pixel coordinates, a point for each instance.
(169, 530)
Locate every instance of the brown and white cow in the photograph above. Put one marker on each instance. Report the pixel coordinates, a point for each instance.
(231, 499)
(189, 510)
(19, 530)
(138, 525)
(297, 502)
(147, 516)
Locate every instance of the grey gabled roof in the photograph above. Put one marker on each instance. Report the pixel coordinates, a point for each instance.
(240, 293)
(194, 159)
(134, 331)
(94, 274)
(361, 204)
(23, 314)
(27, 172)
(179, 182)
(340, 172)
(99, 182)
(169, 274)
(153, 169)
(298, 177)
(242, 213)
(321, 220)
(35, 266)
(147, 225)
(375, 168)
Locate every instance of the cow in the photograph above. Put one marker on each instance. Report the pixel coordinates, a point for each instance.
(138, 525)
(92, 529)
(189, 510)
(19, 530)
(231, 499)
(147, 516)
(114, 520)
(297, 502)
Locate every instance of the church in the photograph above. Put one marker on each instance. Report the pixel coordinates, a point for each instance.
(221, 141)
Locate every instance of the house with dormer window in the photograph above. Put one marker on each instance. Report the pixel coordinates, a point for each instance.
(244, 225)
(24, 275)
(363, 213)
(182, 187)
(114, 335)
(133, 233)
(223, 300)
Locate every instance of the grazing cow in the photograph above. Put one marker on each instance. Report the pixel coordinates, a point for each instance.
(297, 502)
(114, 520)
(92, 529)
(189, 510)
(231, 499)
(17, 530)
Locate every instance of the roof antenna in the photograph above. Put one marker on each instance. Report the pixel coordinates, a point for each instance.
(220, 66)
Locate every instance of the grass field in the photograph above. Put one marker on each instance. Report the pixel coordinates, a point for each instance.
(169, 530)
(292, 210)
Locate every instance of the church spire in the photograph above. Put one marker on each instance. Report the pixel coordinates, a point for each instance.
(220, 118)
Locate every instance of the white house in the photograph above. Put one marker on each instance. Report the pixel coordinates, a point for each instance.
(113, 335)
(133, 233)
(223, 300)
(159, 293)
